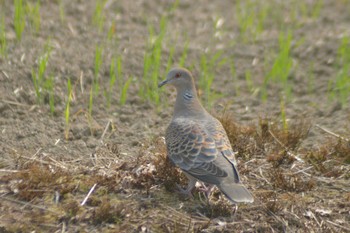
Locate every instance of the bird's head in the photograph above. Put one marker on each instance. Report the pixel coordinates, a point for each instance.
(179, 78)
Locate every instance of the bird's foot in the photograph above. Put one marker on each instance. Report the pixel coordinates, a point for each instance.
(206, 189)
(235, 210)
(187, 191)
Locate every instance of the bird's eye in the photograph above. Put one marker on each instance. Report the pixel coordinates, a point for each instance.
(177, 75)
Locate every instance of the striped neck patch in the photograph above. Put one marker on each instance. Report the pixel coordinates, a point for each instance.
(187, 96)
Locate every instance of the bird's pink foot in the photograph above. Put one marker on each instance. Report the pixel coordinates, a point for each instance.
(206, 189)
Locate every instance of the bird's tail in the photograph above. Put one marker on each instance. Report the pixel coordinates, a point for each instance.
(235, 192)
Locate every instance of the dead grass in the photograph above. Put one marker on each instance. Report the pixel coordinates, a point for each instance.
(166, 172)
(137, 193)
(108, 213)
(242, 138)
(289, 182)
(329, 158)
(268, 138)
(271, 201)
(36, 180)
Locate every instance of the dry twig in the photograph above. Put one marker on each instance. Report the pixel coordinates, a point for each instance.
(88, 195)
(288, 152)
(331, 133)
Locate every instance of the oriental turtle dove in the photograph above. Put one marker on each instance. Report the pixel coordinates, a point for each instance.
(198, 144)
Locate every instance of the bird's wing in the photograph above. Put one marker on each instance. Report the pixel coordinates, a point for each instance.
(223, 145)
(192, 148)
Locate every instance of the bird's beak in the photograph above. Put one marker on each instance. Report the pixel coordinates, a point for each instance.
(162, 83)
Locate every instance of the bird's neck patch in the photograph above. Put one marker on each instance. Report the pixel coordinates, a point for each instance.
(188, 96)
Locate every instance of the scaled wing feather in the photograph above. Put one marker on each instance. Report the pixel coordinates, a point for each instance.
(192, 149)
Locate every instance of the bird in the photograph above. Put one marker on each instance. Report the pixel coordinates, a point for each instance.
(197, 142)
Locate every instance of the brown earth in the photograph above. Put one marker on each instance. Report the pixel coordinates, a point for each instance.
(45, 177)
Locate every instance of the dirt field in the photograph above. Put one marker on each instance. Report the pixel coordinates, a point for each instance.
(294, 153)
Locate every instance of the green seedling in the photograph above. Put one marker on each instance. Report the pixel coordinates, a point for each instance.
(282, 66)
(234, 76)
(99, 16)
(311, 79)
(91, 103)
(308, 10)
(49, 86)
(19, 19)
(340, 86)
(248, 80)
(97, 67)
(316, 9)
(184, 55)
(124, 91)
(38, 74)
(263, 11)
(152, 59)
(283, 115)
(250, 17)
(115, 74)
(244, 19)
(207, 67)
(3, 41)
(67, 110)
(119, 68)
(170, 58)
(112, 79)
(62, 14)
(33, 13)
(111, 31)
(174, 6)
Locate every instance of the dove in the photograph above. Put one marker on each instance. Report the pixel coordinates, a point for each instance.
(198, 144)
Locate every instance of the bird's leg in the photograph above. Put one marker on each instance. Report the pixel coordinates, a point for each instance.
(206, 189)
(191, 184)
(235, 210)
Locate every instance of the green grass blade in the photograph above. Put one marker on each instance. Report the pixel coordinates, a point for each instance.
(19, 19)
(124, 91)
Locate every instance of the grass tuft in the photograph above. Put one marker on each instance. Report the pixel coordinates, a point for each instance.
(43, 85)
(62, 13)
(339, 87)
(67, 110)
(153, 57)
(112, 80)
(124, 91)
(271, 201)
(19, 19)
(99, 16)
(167, 173)
(3, 41)
(208, 64)
(152, 62)
(290, 182)
(37, 180)
(108, 213)
(281, 68)
(240, 136)
(269, 138)
(33, 13)
(329, 158)
(49, 86)
(97, 67)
